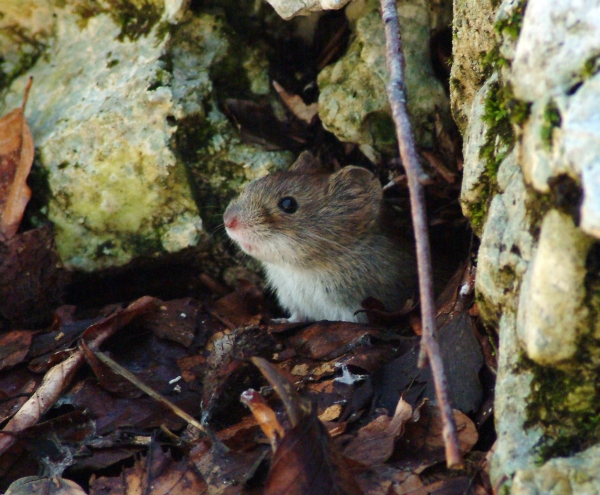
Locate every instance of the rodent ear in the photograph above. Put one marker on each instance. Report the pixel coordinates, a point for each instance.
(357, 180)
(307, 163)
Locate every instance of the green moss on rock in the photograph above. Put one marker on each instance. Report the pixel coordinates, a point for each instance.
(566, 404)
(551, 120)
(511, 25)
(136, 18)
(590, 67)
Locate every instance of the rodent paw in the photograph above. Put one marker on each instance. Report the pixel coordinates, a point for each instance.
(294, 318)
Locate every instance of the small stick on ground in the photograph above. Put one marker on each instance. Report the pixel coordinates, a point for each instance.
(396, 90)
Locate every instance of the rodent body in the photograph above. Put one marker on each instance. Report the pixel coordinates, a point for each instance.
(325, 241)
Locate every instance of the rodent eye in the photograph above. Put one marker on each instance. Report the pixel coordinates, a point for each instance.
(288, 204)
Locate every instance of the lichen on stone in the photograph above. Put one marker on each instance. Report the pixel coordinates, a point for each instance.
(103, 138)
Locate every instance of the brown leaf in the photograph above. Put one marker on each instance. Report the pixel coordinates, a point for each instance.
(296, 104)
(155, 474)
(118, 319)
(423, 442)
(16, 158)
(112, 413)
(10, 405)
(34, 485)
(307, 461)
(31, 278)
(374, 443)
(265, 416)
(240, 308)
(14, 346)
(59, 376)
(109, 379)
(225, 470)
(174, 320)
(329, 339)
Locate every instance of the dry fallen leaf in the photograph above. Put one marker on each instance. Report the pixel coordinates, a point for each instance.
(16, 158)
(296, 104)
(49, 486)
(14, 346)
(155, 474)
(307, 461)
(264, 415)
(374, 443)
(31, 278)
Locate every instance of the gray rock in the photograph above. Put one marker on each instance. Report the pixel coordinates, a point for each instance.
(556, 41)
(562, 476)
(106, 111)
(117, 189)
(532, 263)
(561, 43)
(514, 448)
(552, 310)
(473, 32)
(506, 245)
(578, 143)
(475, 181)
(353, 101)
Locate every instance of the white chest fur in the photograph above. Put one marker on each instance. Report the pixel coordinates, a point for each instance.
(308, 295)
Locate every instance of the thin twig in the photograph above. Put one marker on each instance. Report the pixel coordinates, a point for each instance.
(128, 375)
(396, 90)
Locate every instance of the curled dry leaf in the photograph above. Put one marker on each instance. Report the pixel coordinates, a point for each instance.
(16, 158)
(155, 474)
(48, 486)
(296, 104)
(307, 461)
(374, 443)
(14, 346)
(265, 416)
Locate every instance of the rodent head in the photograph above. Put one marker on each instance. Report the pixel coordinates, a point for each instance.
(303, 218)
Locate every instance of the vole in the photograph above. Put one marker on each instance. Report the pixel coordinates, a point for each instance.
(325, 240)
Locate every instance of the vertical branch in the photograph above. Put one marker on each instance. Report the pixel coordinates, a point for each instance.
(396, 90)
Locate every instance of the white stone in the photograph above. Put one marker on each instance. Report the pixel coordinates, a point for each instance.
(579, 146)
(104, 139)
(290, 8)
(556, 40)
(474, 179)
(552, 312)
(515, 444)
(569, 476)
(506, 245)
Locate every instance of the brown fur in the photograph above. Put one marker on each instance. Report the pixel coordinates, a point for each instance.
(339, 244)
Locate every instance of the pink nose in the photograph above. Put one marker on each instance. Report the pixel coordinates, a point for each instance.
(230, 220)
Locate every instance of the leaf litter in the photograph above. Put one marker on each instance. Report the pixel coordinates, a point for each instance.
(273, 408)
(199, 356)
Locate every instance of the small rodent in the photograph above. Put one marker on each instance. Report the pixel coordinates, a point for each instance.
(325, 240)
